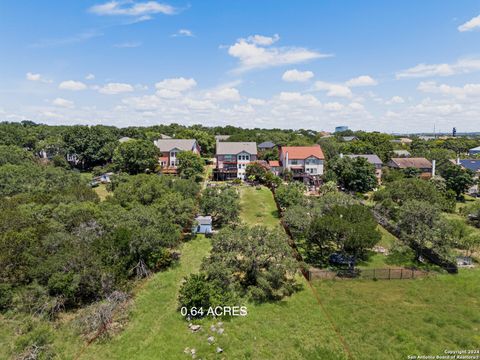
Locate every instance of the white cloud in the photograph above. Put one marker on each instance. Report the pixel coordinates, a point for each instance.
(263, 40)
(36, 77)
(470, 25)
(252, 55)
(299, 99)
(395, 100)
(183, 33)
(72, 85)
(363, 80)
(462, 66)
(130, 8)
(224, 94)
(63, 103)
(176, 84)
(257, 102)
(333, 106)
(115, 88)
(90, 77)
(356, 106)
(457, 91)
(295, 75)
(338, 90)
(128, 44)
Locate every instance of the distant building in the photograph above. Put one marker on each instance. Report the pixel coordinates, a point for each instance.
(401, 153)
(267, 145)
(375, 161)
(341, 128)
(170, 148)
(349, 138)
(124, 139)
(221, 137)
(474, 151)
(232, 159)
(422, 164)
(403, 141)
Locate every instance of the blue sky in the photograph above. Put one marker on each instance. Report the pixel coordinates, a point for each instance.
(395, 66)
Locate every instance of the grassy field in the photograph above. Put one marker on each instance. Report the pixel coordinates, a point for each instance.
(391, 319)
(377, 319)
(257, 206)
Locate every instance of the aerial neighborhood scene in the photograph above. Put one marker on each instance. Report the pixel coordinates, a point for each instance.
(239, 180)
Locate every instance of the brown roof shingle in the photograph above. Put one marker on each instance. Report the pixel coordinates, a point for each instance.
(419, 163)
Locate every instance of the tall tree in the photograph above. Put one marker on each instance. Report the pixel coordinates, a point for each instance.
(136, 156)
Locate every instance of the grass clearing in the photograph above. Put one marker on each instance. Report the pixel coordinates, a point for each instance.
(257, 206)
(392, 319)
(101, 191)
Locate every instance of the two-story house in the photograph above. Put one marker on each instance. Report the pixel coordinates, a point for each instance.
(170, 148)
(305, 162)
(232, 159)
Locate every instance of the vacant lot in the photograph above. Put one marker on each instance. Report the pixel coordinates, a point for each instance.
(377, 319)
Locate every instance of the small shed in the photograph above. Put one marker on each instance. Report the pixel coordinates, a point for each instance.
(203, 225)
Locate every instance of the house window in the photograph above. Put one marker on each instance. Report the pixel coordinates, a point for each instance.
(293, 162)
(247, 157)
(173, 154)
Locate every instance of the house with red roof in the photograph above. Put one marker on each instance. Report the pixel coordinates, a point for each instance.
(305, 162)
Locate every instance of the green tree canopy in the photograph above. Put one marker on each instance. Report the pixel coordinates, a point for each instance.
(136, 156)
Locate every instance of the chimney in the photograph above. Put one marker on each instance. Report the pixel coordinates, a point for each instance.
(433, 167)
(286, 160)
(458, 160)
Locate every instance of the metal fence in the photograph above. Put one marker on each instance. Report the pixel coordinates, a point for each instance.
(372, 274)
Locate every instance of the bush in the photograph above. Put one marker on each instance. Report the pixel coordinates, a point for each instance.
(196, 292)
(6, 296)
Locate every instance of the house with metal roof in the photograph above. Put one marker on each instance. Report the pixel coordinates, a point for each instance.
(232, 159)
(474, 151)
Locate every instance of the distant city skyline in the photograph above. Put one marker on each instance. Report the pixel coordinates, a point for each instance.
(396, 66)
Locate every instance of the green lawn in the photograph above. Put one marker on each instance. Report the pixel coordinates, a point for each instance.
(101, 191)
(392, 319)
(257, 206)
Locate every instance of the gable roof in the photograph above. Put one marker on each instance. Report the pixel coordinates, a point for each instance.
(419, 163)
(274, 163)
(475, 149)
(266, 145)
(229, 147)
(471, 164)
(204, 220)
(371, 158)
(302, 152)
(181, 144)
